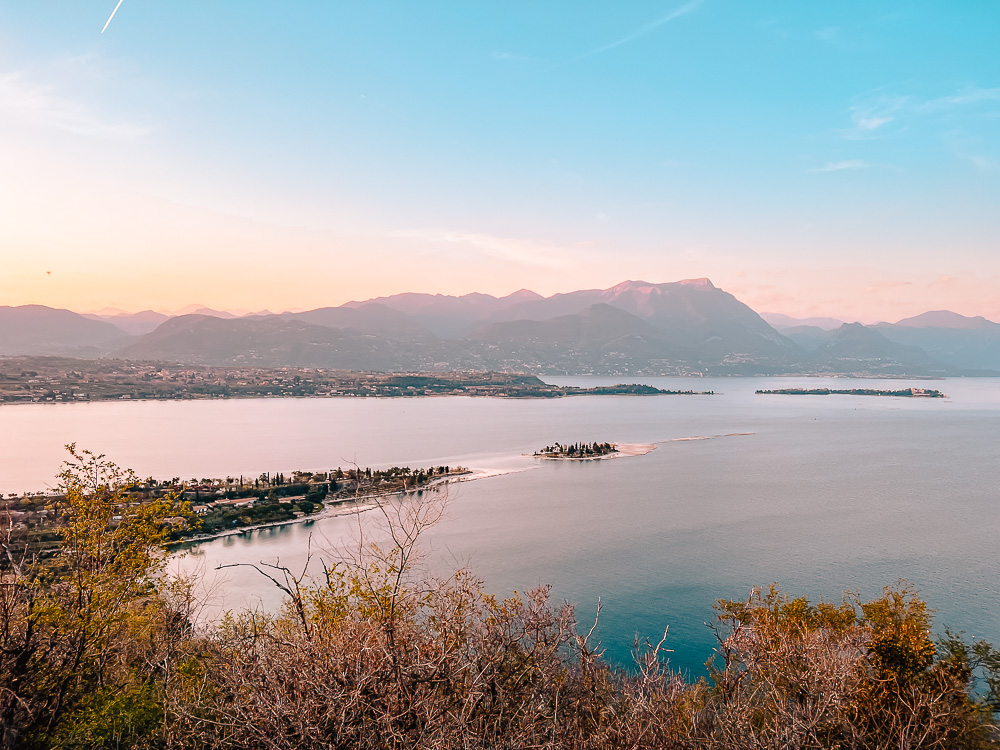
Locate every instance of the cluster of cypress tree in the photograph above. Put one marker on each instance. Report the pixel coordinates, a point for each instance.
(580, 450)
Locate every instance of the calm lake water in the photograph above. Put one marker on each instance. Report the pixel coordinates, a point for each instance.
(828, 493)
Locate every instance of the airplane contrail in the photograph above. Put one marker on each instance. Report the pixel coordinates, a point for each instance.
(112, 15)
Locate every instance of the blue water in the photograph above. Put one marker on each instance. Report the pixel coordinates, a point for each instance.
(828, 494)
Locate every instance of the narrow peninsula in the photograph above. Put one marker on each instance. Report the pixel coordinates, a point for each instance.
(213, 507)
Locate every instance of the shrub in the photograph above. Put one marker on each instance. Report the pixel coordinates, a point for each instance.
(99, 649)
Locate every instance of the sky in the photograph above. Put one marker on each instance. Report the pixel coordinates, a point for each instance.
(836, 159)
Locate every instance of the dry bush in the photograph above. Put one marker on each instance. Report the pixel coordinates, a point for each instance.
(380, 655)
(377, 657)
(98, 649)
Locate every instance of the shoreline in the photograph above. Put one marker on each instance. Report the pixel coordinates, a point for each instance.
(358, 505)
(528, 397)
(516, 397)
(622, 450)
(347, 507)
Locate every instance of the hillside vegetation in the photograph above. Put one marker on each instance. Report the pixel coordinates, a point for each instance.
(100, 649)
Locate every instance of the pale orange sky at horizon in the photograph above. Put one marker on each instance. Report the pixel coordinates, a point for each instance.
(145, 248)
(163, 164)
(793, 293)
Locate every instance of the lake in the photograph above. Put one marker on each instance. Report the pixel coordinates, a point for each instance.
(828, 493)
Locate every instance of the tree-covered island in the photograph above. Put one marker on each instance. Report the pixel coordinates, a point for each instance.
(577, 450)
(903, 393)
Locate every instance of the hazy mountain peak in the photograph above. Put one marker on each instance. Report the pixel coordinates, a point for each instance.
(39, 329)
(782, 321)
(648, 288)
(857, 347)
(134, 323)
(703, 283)
(209, 312)
(107, 312)
(944, 319)
(197, 309)
(522, 295)
(187, 309)
(630, 286)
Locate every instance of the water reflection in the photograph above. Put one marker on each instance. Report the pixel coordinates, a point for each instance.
(829, 493)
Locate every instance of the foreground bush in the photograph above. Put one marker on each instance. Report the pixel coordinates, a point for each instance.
(97, 649)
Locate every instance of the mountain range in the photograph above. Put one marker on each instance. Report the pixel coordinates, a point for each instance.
(686, 327)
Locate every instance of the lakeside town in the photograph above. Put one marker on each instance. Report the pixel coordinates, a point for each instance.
(64, 380)
(207, 507)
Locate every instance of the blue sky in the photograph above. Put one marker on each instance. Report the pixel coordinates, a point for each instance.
(811, 158)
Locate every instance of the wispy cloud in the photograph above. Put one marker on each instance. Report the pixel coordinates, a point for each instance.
(963, 97)
(870, 116)
(883, 113)
(974, 149)
(981, 162)
(841, 166)
(42, 105)
(642, 31)
(881, 286)
(511, 250)
(870, 122)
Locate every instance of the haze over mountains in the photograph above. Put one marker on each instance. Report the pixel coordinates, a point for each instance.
(639, 328)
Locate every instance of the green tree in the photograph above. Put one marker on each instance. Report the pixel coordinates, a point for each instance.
(65, 621)
(855, 674)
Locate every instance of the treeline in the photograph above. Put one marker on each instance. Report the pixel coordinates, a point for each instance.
(99, 649)
(34, 522)
(902, 393)
(634, 389)
(577, 450)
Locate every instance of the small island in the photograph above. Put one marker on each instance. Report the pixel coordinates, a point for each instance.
(628, 389)
(577, 451)
(904, 393)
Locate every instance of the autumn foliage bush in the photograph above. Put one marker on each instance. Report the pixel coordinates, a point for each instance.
(99, 649)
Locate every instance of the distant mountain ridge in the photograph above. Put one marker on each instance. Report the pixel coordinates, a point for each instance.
(971, 344)
(134, 323)
(692, 315)
(37, 329)
(781, 322)
(635, 327)
(855, 343)
(366, 317)
(603, 336)
(446, 316)
(277, 341)
(945, 319)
